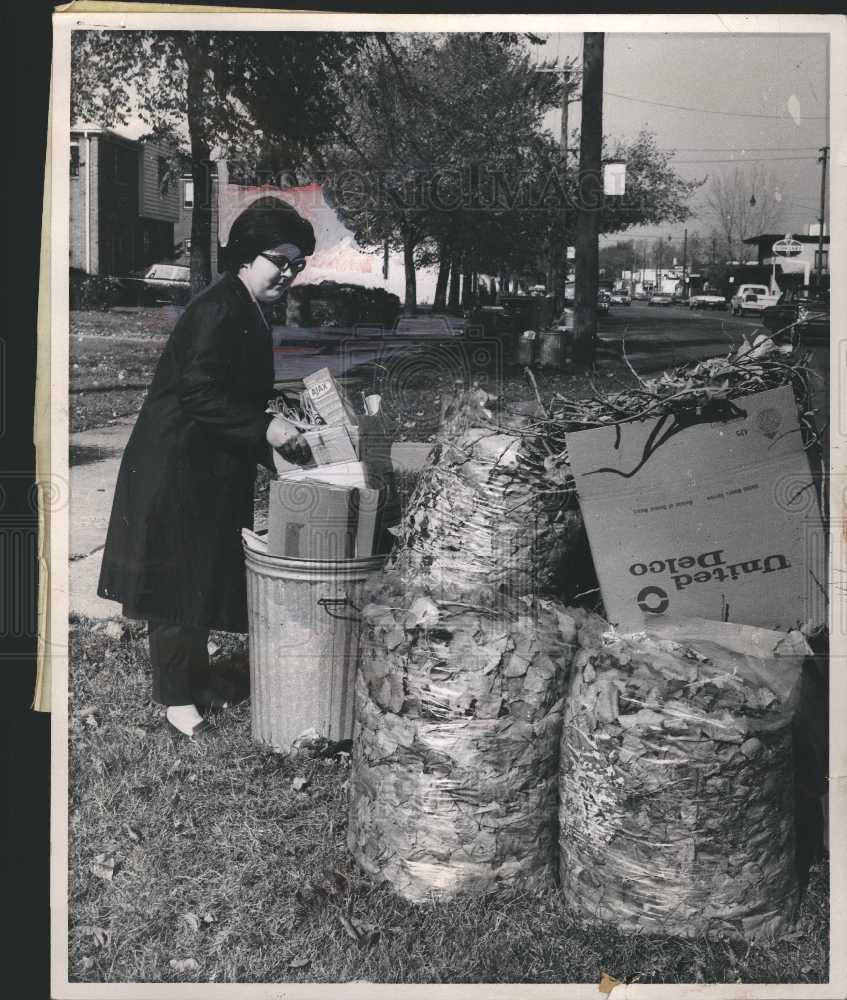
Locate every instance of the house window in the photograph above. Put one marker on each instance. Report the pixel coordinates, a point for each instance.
(821, 265)
(74, 159)
(188, 194)
(164, 176)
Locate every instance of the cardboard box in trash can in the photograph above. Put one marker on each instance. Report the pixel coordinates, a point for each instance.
(326, 509)
(308, 519)
(715, 520)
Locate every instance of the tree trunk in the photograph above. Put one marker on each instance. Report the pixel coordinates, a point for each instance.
(439, 303)
(453, 294)
(590, 198)
(410, 304)
(466, 288)
(201, 172)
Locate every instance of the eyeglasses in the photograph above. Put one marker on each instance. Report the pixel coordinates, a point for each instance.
(287, 268)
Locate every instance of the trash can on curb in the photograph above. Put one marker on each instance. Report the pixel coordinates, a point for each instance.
(304, 642)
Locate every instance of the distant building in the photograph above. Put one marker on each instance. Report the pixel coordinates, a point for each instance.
(792, 270)
(651, 280)
(182, 226)
(123, 202)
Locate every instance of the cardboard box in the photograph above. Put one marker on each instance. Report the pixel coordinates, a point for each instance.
(331, 444)
(309, 519)
(328, 398)
(366, 507)
(719, 521)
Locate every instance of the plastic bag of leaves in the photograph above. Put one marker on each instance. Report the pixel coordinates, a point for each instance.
(676, 785)
(494, 511)
(456, 744)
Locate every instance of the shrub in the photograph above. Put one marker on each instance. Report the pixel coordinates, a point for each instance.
(93, 291)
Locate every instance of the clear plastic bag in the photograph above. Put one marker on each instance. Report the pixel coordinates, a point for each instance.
(676, 809)
(456, 743)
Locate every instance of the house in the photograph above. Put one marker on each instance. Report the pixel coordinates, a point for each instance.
(799, 269)
(124, 202)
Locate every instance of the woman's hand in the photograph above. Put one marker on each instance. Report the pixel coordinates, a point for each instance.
(287, 439)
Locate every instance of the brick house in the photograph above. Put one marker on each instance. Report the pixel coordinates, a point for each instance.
(123, 202)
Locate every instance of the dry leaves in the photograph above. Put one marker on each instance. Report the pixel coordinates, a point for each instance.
(99, 935)
(184, 964)
(486, 515)
(103, 866)
(676, 784)
(191, 921)
(455, 750)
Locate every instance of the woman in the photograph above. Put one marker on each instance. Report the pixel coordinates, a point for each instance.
(173, 552)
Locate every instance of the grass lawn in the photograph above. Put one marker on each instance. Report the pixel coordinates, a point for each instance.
(113, 356)
(225, 862)
(211, 863)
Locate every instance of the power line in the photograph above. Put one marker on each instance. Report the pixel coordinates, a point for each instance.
(707, 111)
(721, 149)
(755, 159)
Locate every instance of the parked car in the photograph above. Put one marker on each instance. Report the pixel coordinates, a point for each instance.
(660, 300)
(707, 301)
(621, 298)
(158, 283)
(803, 309)
(752, 298)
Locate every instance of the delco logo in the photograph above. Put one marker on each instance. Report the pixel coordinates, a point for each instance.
(706, 567)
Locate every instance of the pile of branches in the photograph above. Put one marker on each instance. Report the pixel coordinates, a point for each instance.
(700, 386)
(676, 783)
(489, 515)
(455, 750)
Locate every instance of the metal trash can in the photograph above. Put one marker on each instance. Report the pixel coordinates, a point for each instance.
(526, 351)
(551, 348)
(304, 642)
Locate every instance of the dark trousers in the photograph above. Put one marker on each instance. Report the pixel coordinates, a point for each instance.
(179, 656)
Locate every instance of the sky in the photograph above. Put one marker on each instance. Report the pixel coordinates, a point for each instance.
(746, 87)
(755, 98)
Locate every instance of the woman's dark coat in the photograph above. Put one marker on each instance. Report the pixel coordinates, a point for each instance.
(186, 482)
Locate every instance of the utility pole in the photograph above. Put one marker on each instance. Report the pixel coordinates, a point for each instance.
(563, 146)
(824, 154)
(685, 264)
(590, 198)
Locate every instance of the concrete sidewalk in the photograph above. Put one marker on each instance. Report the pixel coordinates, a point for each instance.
(98, 457)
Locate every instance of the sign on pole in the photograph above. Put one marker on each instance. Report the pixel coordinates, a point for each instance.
(789, 247)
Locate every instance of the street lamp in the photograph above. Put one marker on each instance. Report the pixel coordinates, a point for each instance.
(614, 177)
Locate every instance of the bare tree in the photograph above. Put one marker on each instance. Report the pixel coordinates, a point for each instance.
(742, 203)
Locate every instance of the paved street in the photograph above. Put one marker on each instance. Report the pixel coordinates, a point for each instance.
(658, 337)
(654, 337)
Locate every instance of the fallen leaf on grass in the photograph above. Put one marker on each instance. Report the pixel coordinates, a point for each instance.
(99, 935)
(364, 934)
(299, 783)
(87, 963)
(116, 630)
(607, 983)
(191, 921)
(133, 833)
(83, 713)
(91, 722)
(299, 962)
(103, 866)
(184, 964)
(208, 918)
